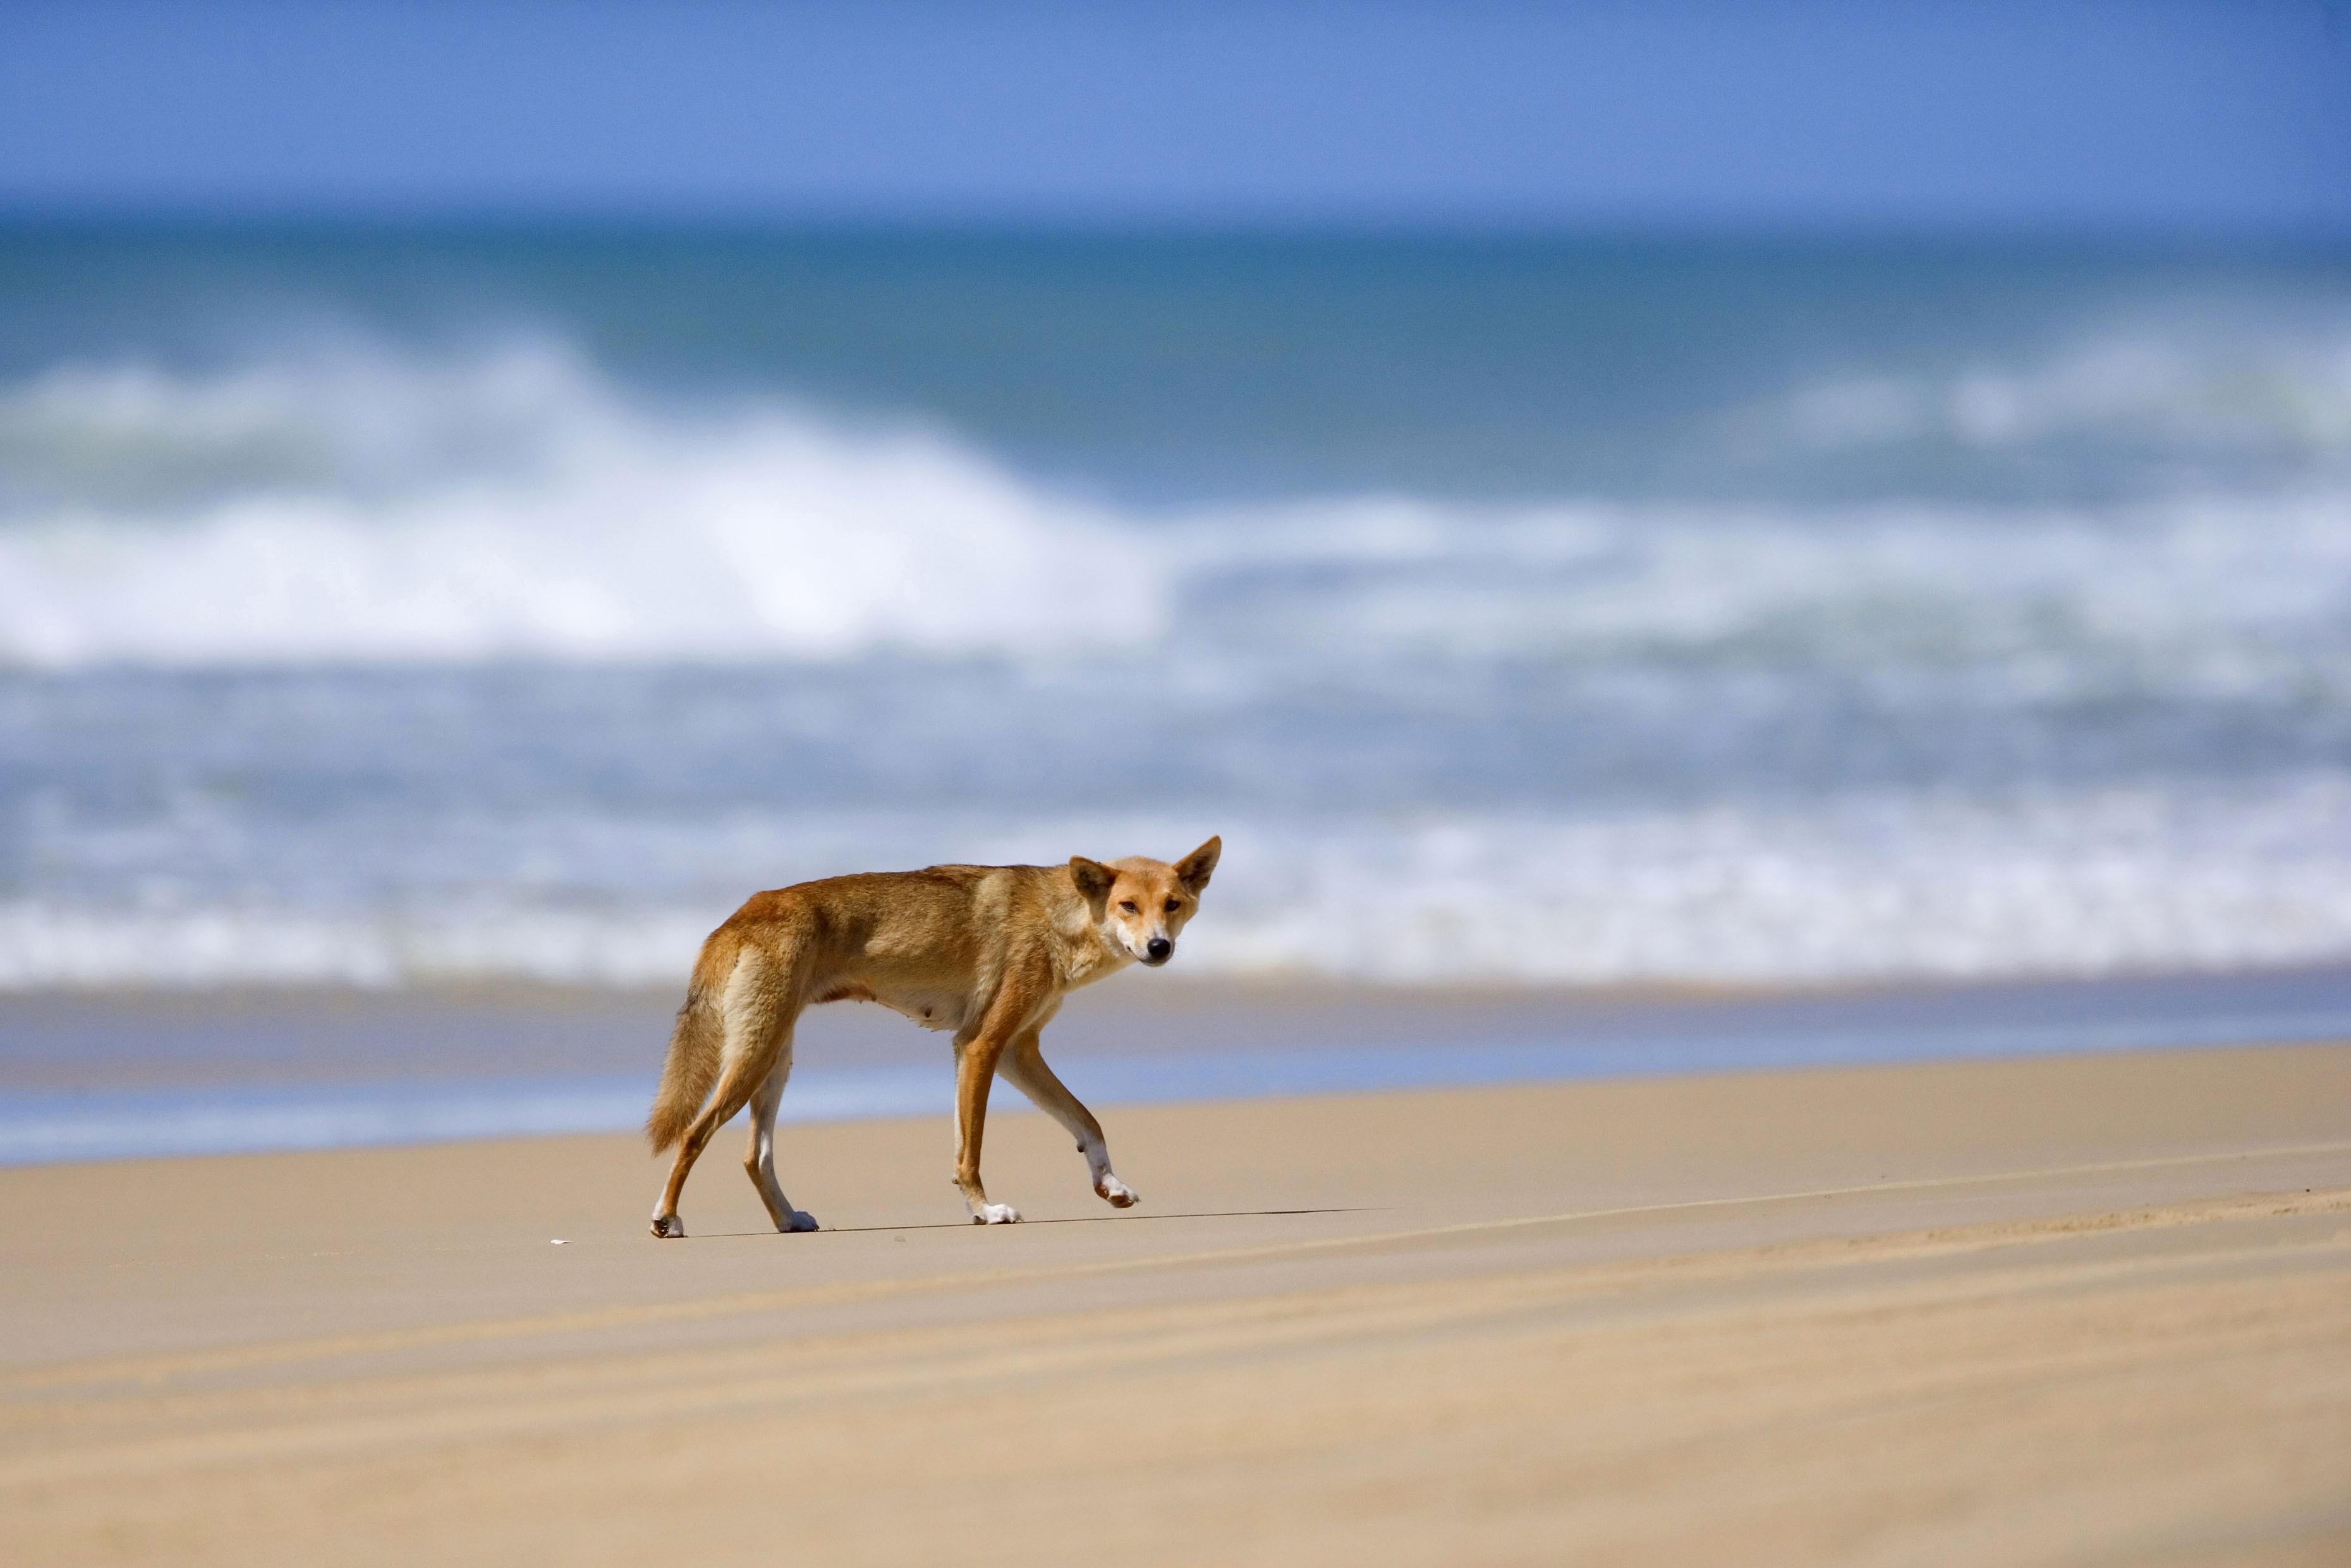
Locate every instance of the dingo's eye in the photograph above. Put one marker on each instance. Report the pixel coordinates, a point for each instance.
(1127, 905)
(1173, 906)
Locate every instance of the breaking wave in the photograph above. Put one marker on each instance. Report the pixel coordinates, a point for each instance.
(359, 505)
(1575, 740)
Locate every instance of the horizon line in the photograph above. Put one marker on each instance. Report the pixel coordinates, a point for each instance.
(811, 222)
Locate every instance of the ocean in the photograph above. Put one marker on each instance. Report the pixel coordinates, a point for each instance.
(394, 607)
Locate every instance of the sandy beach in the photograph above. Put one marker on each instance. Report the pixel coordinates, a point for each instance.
(1754, 598)
(2088, 1310)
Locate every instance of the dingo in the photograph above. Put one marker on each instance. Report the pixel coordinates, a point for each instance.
(985, 951)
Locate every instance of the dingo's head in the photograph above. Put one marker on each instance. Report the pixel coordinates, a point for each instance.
(1140, 904)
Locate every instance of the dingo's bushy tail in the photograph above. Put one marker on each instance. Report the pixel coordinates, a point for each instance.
(694, 1048)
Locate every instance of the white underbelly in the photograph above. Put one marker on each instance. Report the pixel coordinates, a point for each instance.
(930, 1011)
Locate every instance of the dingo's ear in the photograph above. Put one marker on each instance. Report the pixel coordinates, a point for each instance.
(1092, 877)
(1195, 869)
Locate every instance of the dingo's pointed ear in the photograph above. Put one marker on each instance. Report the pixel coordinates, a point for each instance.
(1092, 877)
(1195, 869)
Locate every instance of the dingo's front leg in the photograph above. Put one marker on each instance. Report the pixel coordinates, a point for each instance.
(1024, 1064)
(975, 1069)
(1023, 997)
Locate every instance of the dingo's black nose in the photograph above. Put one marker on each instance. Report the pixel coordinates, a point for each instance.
(1155, 951)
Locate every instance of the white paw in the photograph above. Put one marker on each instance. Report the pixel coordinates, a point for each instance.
(1117, 1193)
(996, 1214)
(802, 1221)
(668, 1227)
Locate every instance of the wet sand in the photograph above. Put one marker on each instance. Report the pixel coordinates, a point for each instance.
(2088, 1309)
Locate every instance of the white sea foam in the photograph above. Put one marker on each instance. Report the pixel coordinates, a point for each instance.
(2196, 588)
(1883, 886)
(2192, 387)
(1888, 885)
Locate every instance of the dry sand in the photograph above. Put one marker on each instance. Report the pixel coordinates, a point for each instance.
(2092, 1311)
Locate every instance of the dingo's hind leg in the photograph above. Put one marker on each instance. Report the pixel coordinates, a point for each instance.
(762, 1000)
(1024, 1064)
(759, 1160)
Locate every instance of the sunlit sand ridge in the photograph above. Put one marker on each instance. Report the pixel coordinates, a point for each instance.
(2086, 1309)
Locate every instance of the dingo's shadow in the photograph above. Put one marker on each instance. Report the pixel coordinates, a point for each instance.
(1072, 1219)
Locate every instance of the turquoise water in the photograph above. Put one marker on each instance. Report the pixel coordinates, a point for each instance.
(1208, 368)
(394, 606)
(327, 1078)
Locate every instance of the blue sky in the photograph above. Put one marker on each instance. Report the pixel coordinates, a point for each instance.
(2164, 113)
